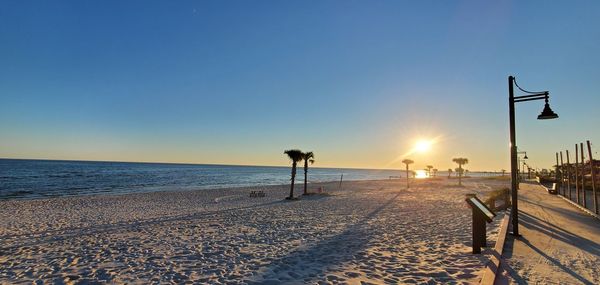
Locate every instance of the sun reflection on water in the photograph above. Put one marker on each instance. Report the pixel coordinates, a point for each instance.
(420, 174)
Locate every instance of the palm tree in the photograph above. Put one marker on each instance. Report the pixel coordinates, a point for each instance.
(307, 157)
(429, 167)
(449, 172)
(460, 161)
(407, 162)
(295, 155)
(435, 170)
(458, 171)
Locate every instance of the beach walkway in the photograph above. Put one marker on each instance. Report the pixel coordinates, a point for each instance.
(559, 243)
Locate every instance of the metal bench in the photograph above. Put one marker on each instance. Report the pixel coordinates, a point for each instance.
(255, 194)
(552, 190)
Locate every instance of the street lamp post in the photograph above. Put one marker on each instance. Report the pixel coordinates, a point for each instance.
(547, 113)
(519, 170)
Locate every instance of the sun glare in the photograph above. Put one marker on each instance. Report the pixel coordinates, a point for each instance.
(423, 146)
(420, 174)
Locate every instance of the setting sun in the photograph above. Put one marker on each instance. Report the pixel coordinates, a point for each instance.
(423, 146)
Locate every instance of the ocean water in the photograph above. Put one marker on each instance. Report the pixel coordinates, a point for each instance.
(34, 179)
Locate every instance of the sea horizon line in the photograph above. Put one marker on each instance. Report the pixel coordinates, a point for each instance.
(193, 163)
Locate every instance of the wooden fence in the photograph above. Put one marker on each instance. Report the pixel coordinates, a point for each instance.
(578, 181)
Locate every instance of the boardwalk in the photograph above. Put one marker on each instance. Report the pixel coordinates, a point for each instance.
(559, 243)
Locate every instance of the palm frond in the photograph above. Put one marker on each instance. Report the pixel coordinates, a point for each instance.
(294, 154)
(460, 160)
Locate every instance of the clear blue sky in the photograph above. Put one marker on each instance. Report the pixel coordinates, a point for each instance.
(238, 82)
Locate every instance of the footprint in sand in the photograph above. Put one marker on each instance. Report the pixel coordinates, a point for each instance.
(352, 274)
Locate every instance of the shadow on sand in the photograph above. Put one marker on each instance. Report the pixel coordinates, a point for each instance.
(559, 233)
(554, 232)
(48, 236)
(310, 263)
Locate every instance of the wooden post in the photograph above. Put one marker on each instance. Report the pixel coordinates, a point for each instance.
(583, 176)
(556, 174)
(569, 175)
(593, 177)
(476, 231)
(492, 204)
(577, 174)
(562, 175)
(481, 214)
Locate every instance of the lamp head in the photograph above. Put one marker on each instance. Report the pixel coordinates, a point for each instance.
(547, 113)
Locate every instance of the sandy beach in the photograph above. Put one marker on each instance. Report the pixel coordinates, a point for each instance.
(368, 232)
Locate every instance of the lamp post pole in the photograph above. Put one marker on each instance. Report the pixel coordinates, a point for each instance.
(520, 170)
(513, 157)
(547, 113)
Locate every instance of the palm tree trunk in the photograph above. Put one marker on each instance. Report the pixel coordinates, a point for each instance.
(305, 176)
(407, 178)
(293, 179)
(460, 175)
